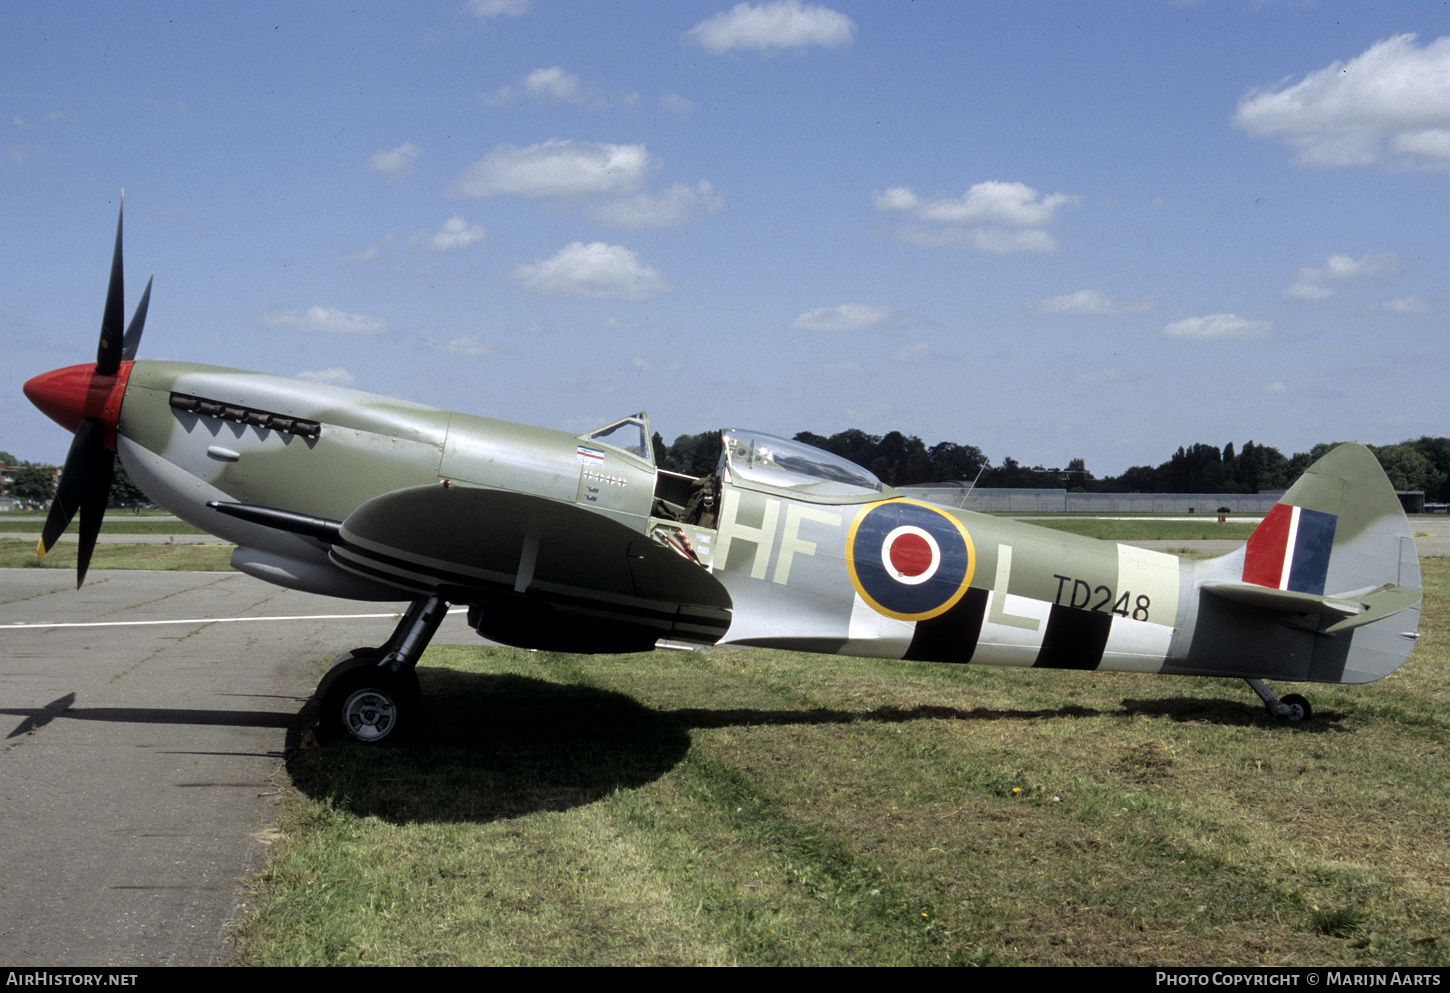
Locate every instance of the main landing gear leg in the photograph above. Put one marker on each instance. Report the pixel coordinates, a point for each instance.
(372, 694)
(1292, 707)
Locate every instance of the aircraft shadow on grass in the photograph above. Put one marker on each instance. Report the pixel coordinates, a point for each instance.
(503, 746)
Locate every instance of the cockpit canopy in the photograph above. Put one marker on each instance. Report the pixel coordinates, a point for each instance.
(762, 460)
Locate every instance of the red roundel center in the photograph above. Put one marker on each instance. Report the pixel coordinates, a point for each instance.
(910, 554)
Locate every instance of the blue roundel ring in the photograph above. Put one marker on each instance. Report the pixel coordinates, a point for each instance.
(909, 560)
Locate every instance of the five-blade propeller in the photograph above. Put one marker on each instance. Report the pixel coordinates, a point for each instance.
(85, 482)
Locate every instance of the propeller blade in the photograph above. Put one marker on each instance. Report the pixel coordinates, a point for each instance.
(93, 511)
(138, 322)
(85, 486)
(108, 353)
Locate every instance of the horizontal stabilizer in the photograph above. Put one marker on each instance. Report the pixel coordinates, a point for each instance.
(1354, 609)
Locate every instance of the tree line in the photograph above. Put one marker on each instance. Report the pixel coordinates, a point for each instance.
(34, 482)
(905, 460)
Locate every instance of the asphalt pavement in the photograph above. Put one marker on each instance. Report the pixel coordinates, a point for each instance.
(141, 756)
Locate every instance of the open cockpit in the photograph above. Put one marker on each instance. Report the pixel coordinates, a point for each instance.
(683, 510)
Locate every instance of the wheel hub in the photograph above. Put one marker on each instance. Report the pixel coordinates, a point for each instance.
(369, 714)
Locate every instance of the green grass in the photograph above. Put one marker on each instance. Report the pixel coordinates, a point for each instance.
(20, 554)
(772, 808)
(116, 522)
(1149, 529)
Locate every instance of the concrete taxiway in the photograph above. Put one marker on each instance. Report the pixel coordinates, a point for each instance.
(145, 719)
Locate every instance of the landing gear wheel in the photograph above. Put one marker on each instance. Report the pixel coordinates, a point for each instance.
(1299, 709)
(370, 704)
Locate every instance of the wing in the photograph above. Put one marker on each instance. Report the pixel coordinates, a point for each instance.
(541, 573)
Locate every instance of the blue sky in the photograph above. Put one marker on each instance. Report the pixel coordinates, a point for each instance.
(1051, 230)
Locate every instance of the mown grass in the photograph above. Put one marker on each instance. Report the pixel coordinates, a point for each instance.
(20, 554)
(746, 807)
(115, 522)
(1150, 529)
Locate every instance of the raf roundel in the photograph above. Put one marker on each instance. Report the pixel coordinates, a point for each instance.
(908, 560)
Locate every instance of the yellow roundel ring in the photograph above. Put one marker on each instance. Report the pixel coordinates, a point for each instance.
(909, 560)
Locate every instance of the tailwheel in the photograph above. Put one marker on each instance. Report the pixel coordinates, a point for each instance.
(1290, 707)
(366, 701)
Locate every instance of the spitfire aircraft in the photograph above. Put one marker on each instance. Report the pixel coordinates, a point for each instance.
(583, 544)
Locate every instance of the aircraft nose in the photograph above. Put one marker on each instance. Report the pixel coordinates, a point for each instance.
(70, 395)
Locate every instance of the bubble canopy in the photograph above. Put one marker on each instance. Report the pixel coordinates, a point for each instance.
(759, 459)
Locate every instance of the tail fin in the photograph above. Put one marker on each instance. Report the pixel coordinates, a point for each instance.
(1337, 545)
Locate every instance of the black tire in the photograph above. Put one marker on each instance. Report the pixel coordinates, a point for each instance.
(1299, 709)
(369, 704)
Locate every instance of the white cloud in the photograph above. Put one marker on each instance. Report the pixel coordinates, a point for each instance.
(1312, 282)
(1428, 149)
(990, 217)
(328, 320)
(555, 84)
(773, 26)
(1391, 105)
(838, 369)
(676, 104)
(846, 317)
(494, 8)
(1009, 204)
(556, 170)
(395, 163)
(1412, 304)
(597, 270)
(333, 376)
(676, 205)
(373, 250)
(1090, 302)
(1005, 242)
(995, 240)
(1307, 290)
(469, 344)
(456, 235)
(1218, 326)
(501, 97)
(918, 351)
